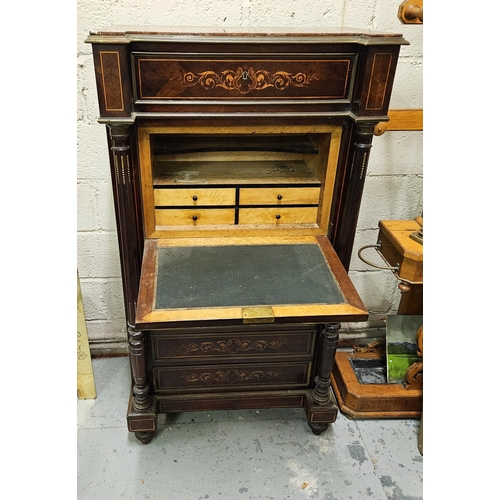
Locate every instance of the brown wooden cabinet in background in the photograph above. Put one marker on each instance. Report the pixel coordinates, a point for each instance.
(238, 161)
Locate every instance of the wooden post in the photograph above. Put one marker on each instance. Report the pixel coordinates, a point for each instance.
(354, 182)
(127, 218)
(142, 413)
(323, 409)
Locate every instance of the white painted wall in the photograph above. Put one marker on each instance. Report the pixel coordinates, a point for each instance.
(393, 188)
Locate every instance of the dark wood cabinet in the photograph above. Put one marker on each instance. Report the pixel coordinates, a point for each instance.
(238, 161)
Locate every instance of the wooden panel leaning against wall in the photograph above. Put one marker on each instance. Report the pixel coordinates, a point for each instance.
(85, 374)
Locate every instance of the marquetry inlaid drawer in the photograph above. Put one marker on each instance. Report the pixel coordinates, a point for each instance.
(231, 377)
(177, 347)
(278, 215)
(161, 77)
(194, 197)
(194, 217)
(279, 196)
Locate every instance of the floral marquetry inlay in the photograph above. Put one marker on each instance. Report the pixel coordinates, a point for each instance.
(244, 81)
(233, 346)
(231, 375)
(165, 78)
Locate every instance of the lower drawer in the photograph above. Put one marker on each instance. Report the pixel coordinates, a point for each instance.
(232, 376)
(278, 215)
(194, 217)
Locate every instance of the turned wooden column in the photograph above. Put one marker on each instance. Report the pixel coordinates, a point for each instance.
(351, 187)
(142, 414)
(328, 341)
(323, 409)
(137, 353)
(127, 218)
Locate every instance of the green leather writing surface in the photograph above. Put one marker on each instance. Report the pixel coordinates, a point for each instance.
(246, 275)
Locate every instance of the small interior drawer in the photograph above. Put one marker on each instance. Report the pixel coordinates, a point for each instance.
(278, 215)
(194, 197)
(279, 196)
(194, 217)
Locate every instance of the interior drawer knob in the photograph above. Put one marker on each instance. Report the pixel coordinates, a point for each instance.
(195, 197)
(195, 217)
(278, 216)
(280, 197)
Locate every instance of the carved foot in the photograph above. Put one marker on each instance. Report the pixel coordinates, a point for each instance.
(144, 437)
(318, 428)
(319, 417)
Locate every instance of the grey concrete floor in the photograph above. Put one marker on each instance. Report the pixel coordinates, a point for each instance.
(239, 455)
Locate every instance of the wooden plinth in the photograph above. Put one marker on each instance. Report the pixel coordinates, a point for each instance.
(357, 400)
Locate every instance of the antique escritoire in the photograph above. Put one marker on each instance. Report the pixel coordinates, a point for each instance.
(238, 160)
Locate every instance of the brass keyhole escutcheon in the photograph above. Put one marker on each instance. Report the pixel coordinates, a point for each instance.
(245, 75)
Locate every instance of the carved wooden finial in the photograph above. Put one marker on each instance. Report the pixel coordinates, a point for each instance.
(380, 128)
(411, 12)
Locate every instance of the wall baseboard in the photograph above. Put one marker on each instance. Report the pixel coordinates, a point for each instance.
(101, 348)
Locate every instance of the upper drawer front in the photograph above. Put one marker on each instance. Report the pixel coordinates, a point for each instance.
(194, 197)
(179, 347)
(161, 77)
(279, 196)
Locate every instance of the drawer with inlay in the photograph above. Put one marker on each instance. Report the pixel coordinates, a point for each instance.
(218, 377)
(168, 78)
(194, 197)
(178, 347)
(194, 217)
(280, 196)
(278, 215)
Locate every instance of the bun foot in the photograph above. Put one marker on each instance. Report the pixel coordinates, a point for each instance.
(144, 437)
(318, 428)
